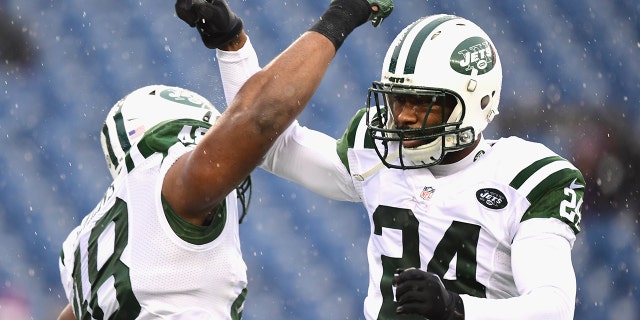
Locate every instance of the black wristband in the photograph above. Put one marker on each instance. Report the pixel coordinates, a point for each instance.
(342, 17)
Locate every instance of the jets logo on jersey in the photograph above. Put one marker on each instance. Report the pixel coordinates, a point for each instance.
(427, 193)
(492, 198)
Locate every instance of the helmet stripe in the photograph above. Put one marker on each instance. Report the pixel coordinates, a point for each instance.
(416, 44)
(111, 153)
(121, 131)
(396, 52)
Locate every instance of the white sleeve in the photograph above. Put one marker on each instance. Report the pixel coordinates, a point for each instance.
(236, 67)
(304, 156)
(543, 273)
(309, 158)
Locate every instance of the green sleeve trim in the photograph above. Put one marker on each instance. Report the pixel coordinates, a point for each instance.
(191, 233)
(554, 180)
(164, 135)
(556, 202)
(237, 306)
(554, 197)
(347, 140)
(527, 172)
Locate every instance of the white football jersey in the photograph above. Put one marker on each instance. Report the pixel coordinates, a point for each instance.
(459, 226)
(132, 257)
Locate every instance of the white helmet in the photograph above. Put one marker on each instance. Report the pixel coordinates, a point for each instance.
(144, 108)
(438, 56)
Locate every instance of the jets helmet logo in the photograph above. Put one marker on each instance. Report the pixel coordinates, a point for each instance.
(473, 53)
(183, 97)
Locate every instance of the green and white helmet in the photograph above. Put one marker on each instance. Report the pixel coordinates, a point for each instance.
(144, 108)
(442, 56)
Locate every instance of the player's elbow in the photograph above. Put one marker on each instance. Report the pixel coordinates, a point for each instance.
(265, 109)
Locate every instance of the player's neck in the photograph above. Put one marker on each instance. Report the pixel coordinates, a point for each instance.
(457, 156)
(456, 161)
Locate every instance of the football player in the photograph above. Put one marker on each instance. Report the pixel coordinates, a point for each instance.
(462, 227)
(163, 242)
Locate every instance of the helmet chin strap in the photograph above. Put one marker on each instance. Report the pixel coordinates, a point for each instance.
(433, 151)
(424, 154)
(377, 167)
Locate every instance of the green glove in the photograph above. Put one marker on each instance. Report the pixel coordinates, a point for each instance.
(384, 10)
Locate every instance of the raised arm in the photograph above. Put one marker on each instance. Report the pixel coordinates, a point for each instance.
(263, 108)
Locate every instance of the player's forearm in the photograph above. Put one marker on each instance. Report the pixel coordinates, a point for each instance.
(263, 108)
(274, 96)
(283, 88)
(297, 147)
(543, 273)
(267, 103)
(544, 303)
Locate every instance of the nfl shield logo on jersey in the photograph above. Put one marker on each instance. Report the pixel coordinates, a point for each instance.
(427, 193)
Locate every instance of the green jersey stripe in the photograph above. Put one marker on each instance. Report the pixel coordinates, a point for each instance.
(236, 307)
(527, 172)
(537, 177)
(164, 135)
(363, 136)
(548, 183)
(131, 157)
(348, 139)
(78, 285)
(146, 150)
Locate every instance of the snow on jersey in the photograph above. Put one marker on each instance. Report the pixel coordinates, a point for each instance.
(132, 257)
(459, 226)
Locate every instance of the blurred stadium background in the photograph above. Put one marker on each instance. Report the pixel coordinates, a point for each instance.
(571, 81)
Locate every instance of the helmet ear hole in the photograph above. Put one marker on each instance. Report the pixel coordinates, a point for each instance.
(485, 101)
(207, 116)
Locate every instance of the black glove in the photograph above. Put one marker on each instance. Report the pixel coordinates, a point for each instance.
(420, 292)
(213, 19)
